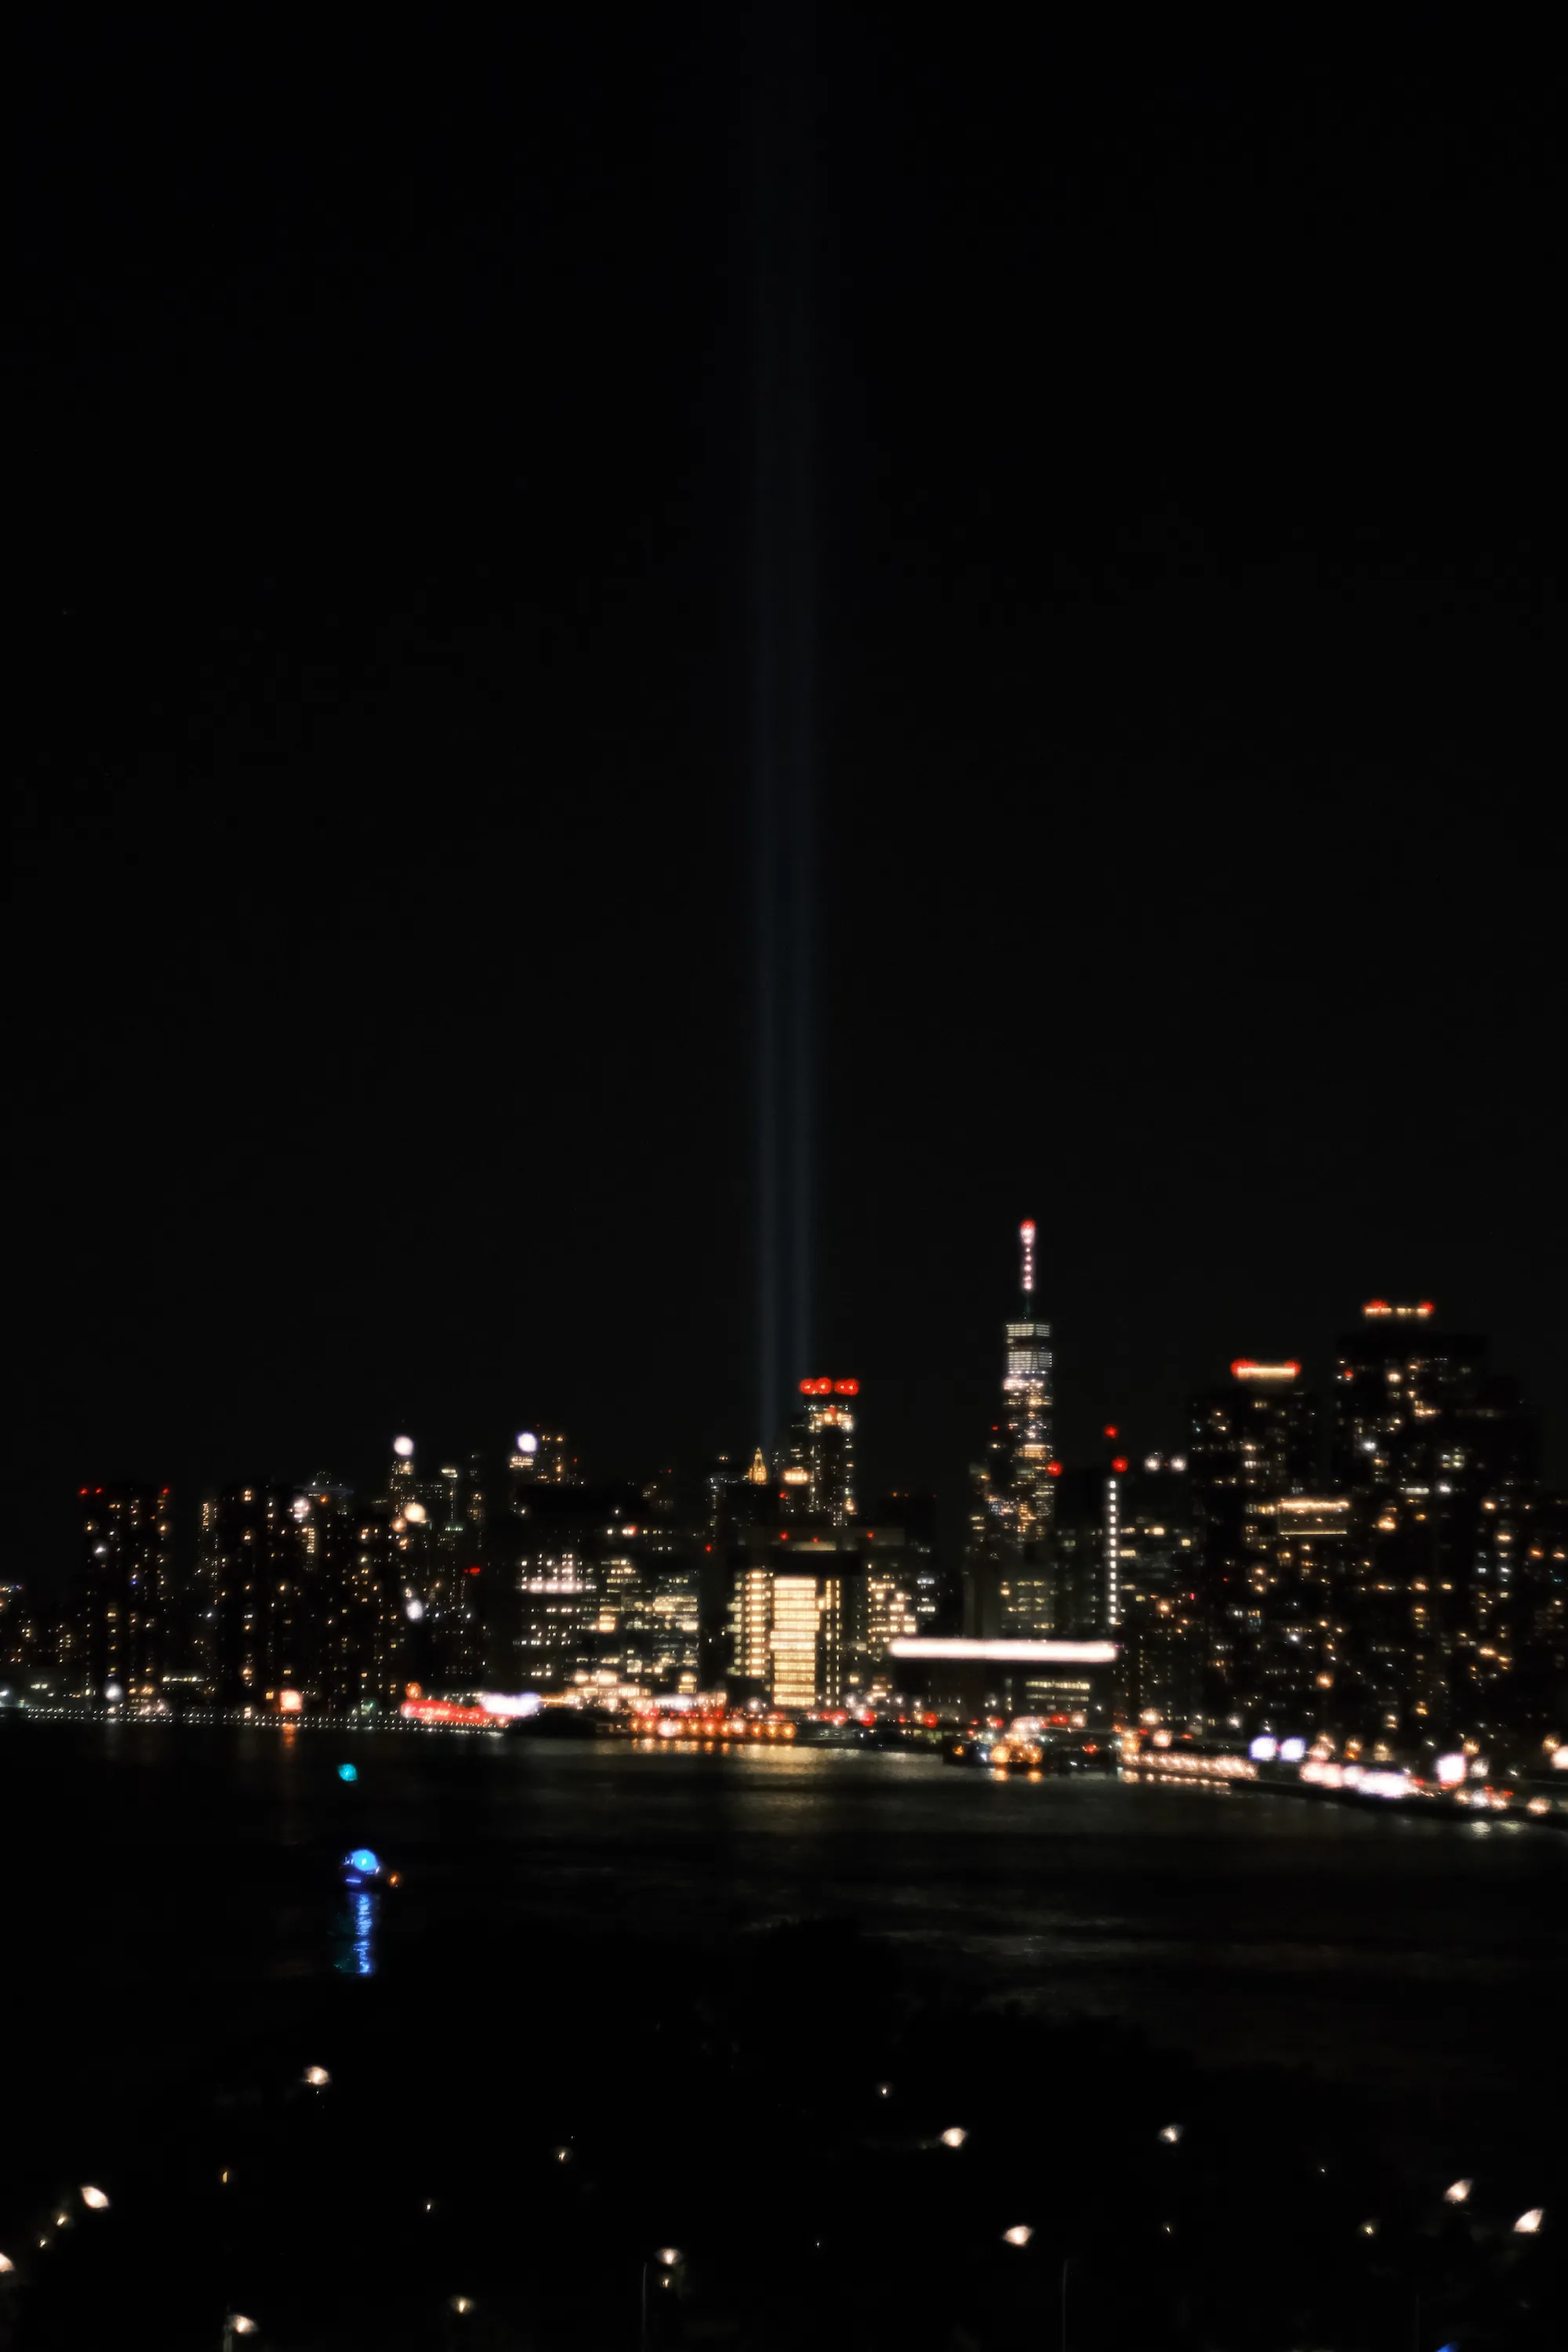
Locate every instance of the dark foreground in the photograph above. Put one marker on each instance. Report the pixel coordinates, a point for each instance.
(728, 2007)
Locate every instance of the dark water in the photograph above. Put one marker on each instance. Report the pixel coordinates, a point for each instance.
(171, 1903)
(196, 1866)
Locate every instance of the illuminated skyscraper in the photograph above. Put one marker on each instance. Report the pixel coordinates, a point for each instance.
(1252, 1443)
(364, 1639)
(123, 1600)
(259, 1566)
(1008, 1588)
(1438, 1455)
(1159, 1625)
(452, 1592)
(541, 1458)
(401, 1479)
(792, 1588)
(816, 1454)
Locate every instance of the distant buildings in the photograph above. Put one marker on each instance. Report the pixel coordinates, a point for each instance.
(1009, 1578)
(1251, 1443)
(1161, 1622)
(1387, 1570)
(125, 1591)
(1436, 1457)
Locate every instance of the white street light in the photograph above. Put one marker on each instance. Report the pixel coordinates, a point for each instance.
(94, 2198)
(1172, 2133)
(955, 2136)
(1456, 2191)
(5, 2265)
(317, 2077)
(1528, 2223)
(462, 2304)
(1019, 2235)
(666, 2257)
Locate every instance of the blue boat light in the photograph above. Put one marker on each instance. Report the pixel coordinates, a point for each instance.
(348, 1772)
(363, 1860)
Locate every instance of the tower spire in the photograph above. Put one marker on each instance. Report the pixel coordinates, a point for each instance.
(1026, 1255)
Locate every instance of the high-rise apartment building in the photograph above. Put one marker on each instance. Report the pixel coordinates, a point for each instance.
(263, 1594)
(1160, 1627)
(1437, 1454)
(452, 1589)
(364, 1650)
(18, 1641)
(1288, 1618)
(124, 1596)
(1254, 1442)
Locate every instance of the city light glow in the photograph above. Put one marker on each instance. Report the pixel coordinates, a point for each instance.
(1001, 1652)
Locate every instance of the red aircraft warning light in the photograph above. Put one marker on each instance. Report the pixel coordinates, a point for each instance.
(1120, 1465)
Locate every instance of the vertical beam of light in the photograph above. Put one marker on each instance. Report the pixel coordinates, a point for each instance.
(784, 832)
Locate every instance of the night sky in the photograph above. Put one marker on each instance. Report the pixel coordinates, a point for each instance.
(1187, 760)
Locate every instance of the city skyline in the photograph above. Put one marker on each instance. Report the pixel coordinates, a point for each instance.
(1380, 1556)
(882, 1445)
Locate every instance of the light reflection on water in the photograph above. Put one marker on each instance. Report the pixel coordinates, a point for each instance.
(1363, 1944)
(356, 1942)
